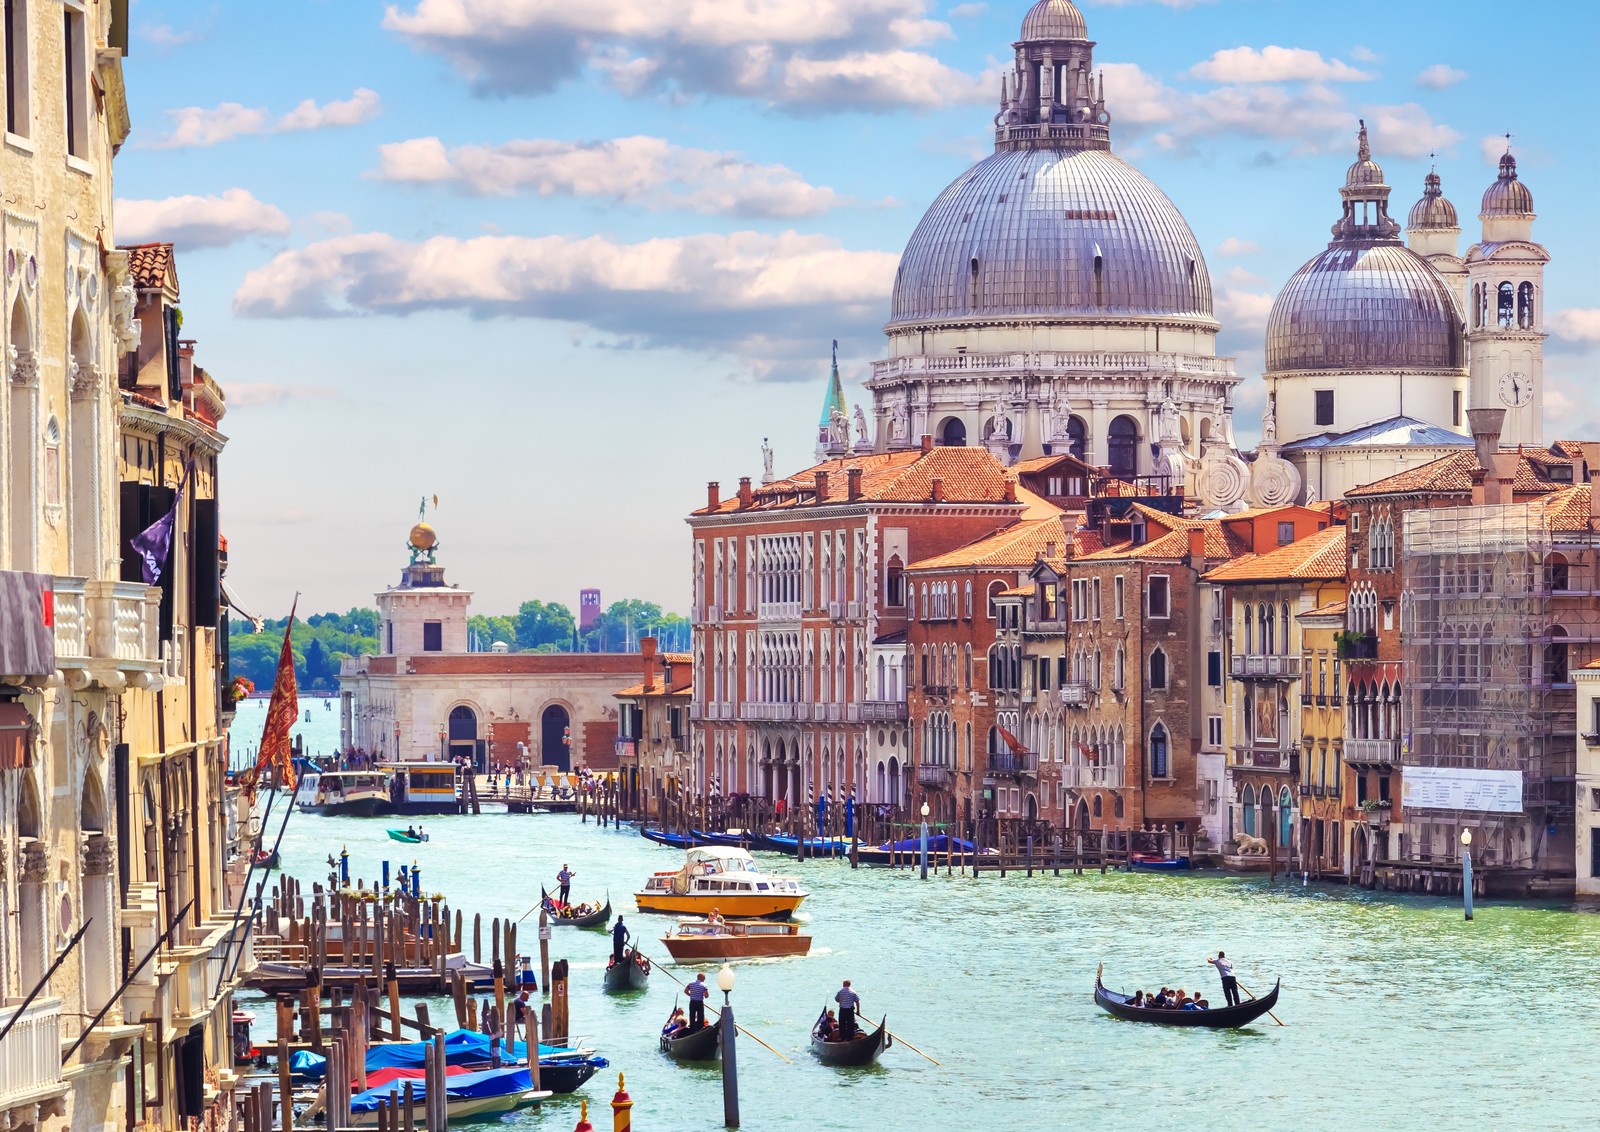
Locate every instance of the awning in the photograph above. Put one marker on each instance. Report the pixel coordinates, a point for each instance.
(16, 751)
(233, 603)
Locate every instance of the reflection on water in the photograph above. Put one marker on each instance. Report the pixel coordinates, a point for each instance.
(1397, 1010)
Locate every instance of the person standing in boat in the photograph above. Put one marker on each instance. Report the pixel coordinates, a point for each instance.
(697, 1001)
(564, 880)
(619, 940)
(849, 1002)
(1230, 986)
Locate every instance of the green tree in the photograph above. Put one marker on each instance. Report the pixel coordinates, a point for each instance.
(539, 624)
(492, 629)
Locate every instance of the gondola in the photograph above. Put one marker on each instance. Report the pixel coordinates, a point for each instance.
(694, 1045)
(633, 973)
(671, 840)
(862, 1050)
(1218, 1018)
(267, 859)
(592, 920)
(814, 846)
(737, 838)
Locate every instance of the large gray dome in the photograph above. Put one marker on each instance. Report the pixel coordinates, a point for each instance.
(1054, 19)
(1046, 233)
(1364, 306)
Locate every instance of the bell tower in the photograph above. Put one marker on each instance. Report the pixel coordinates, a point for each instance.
(1505, 315)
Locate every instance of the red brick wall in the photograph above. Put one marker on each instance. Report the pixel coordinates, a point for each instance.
(504, 735)
(599, 744)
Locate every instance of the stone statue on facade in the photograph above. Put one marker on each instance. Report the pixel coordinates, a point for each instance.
(1002, 423)
(1269, 423)
(1169, 422)
(839, 431)
(863, 433)
(767, 475)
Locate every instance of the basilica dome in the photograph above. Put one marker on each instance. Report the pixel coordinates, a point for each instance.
(1507, 196)
(1054, 19)
(1045, 233)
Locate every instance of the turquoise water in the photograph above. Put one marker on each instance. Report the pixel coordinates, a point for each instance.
(1398, 1012)
(318, 731)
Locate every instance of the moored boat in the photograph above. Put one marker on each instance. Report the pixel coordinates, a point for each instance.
(564, 915)
(671, 840)
(633, 973)
(724, 878)
(1218, 1018)
(422, 788)
(863, 1049)
(692, 1045)
(743, 838)
(814, 846)
(350, 793)
(701, 941)
(1156, 863)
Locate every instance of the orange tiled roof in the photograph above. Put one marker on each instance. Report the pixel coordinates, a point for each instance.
(1016, 547)
(1572, 449)
(969, 475)
(660, 689)
(1332, 609)
(149, 264)
(1568, 509)
(1016, 591)
(1452, 474)
(1319, 556)
(1167, 538)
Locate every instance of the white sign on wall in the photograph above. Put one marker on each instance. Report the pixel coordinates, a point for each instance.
(1461, 788)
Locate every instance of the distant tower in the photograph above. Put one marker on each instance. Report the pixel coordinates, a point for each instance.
(423, 613)
(1433, 232)
(834, 423)
(1505, 324)
(588, 609)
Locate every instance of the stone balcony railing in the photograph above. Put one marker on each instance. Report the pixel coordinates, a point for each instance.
(934, 776)
(1075, 695)
(30, 1057)
(1271, 665)
(1092, 777)
(1374, 752)
(199, 968)
(1052, 362)
(107, 632)
(883, 711)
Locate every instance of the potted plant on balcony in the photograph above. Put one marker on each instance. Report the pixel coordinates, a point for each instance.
(239, 688)
(1377, 811)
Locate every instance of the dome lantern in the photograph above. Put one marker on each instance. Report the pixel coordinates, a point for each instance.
(1051, 98)
(1366, 199)
(1507, 196)
(1433, 211)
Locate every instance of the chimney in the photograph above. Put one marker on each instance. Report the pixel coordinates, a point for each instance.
(1011, 491)
(822, 487)
(853, 482)
(938, 490)
(713, 495)
(1197, 548)
(1594, 494)
(927, 444)
(1486, 425)
(1050, 549)
(745, 496)
(647, 652)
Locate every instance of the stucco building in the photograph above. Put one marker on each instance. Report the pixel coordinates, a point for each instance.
(653, 748)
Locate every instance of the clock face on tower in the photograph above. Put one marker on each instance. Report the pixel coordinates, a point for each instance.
(1516, 389)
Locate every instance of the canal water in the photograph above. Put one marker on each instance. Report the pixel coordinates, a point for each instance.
(1398, 1012)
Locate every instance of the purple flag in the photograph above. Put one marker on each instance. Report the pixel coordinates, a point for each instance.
(154, 543)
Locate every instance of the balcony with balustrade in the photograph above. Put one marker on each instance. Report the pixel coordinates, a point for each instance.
(1090, 776)
(30, 1056)
(1012, 764)
(934, 776)
(884, 711)
(1371, 752)
(107, 633)
(1264, 666)
(1075, 695)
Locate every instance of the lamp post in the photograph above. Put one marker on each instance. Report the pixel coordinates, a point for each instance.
(1466, 872)
(397, 740)
(730, 1066)
(441, 742)
(924, 848)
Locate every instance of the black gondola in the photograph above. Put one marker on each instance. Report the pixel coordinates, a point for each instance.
(1219, 1018)
(861, 1050)
(592, 920)
(633, 973)
(693, 1045)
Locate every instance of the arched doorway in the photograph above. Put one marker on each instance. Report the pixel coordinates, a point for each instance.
(463, 736)
(1083, 814)
(1122, 447)
(893, 797)
(1033, 808)
(953, 433)
(555, 747)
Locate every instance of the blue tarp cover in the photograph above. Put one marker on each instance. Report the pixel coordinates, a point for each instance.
(461, 1047)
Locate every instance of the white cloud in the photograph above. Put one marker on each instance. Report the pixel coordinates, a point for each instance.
(199, 222)
(1238, 276)
(1407, 130)
(1576, 324)
(1138, 98)
(1440, 76)
(967, 11)
(768, 298)
(207, 126)
(1313, 118)
(1234, 246)
(1243, 310)
(804, 58)
(1275, 65)
(1492, 148)
(1364, 54)
(166, 36)
(250, 395)
(636, 170)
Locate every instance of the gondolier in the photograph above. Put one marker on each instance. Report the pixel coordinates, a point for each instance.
(697, 1001)
(1230, 986)
(849, 1002)
(619, 940)
(564, 879)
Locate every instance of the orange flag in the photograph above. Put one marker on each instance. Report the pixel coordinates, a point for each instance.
(281, 711)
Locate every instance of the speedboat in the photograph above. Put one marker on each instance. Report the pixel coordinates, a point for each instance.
(702, 941)
(720, 878)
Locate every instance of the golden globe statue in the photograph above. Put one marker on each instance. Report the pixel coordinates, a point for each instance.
(423, 537)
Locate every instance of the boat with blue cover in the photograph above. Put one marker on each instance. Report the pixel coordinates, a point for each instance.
(490, 1092)
(671, 840)
(562, 1069)
(1157, 863)
(814, 846)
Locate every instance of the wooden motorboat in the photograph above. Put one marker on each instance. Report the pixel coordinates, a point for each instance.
(1218, 1018)
(633, 973)
(720, 877)
(560, 916)
(693, 1045)
(860, 1050)
(701, 941)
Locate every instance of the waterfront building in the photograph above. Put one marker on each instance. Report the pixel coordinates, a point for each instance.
(1266, 592)
(424, 697)
(1586, 681)
(1326, 779)
(653, 730)
(795, 581)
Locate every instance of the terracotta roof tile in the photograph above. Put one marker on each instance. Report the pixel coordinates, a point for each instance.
(1568, 509)
(1452, 474)
(149, 264)
(1015, 591)
(1016, 547)
(969, 475)
(1332, 609)
(1322, 555)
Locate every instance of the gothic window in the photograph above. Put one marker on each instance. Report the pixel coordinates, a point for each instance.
(1524, 305)
(1158, 752)
(1077, 437)
(1158, 670)
(894, 583)
(1122, 447)
(1503, 311)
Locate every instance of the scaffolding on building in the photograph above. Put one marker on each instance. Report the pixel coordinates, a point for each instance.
(1477, 626)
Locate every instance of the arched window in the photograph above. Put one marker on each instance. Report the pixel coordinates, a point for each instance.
(1555, 658)
(1077, 437)
(954, 433)
(1119, 674)
(1557, 573)
(1524, 305)
(1118, 808)
(894, 587)
(1249, 631)
(1097, 807)
(1285, 818)
(1504, 313)
(1158, 751)
(1158, 670)
(1250, 811)
(1283, 612)
(1122, 447)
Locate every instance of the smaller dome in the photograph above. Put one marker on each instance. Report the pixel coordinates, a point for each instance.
(1054, 19)
(1432, 211)
(1365, 171)
(1507, 196)
(423, 537)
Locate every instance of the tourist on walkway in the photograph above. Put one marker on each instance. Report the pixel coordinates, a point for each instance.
(697, 1001)
(1230, 986)
(619, 939)
(849, 1002)
(564, 879)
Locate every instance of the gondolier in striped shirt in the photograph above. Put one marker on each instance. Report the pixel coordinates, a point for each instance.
(564, 879)
(849, 1002)
(697, 1001)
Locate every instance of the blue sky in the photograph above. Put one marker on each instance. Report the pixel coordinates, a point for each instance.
(560, 264)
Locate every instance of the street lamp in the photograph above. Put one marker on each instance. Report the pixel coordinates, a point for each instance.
(730, 1066)
(924, 840)
(1466, 872)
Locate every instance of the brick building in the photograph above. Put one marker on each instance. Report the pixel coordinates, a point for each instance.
(653, 728)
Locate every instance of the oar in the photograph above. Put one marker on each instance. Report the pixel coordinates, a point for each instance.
(1253, 998)
(718, 1014)
(907, 1044)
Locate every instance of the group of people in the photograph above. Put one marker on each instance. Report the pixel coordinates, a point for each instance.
(678, 1025)
(1168, 999)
